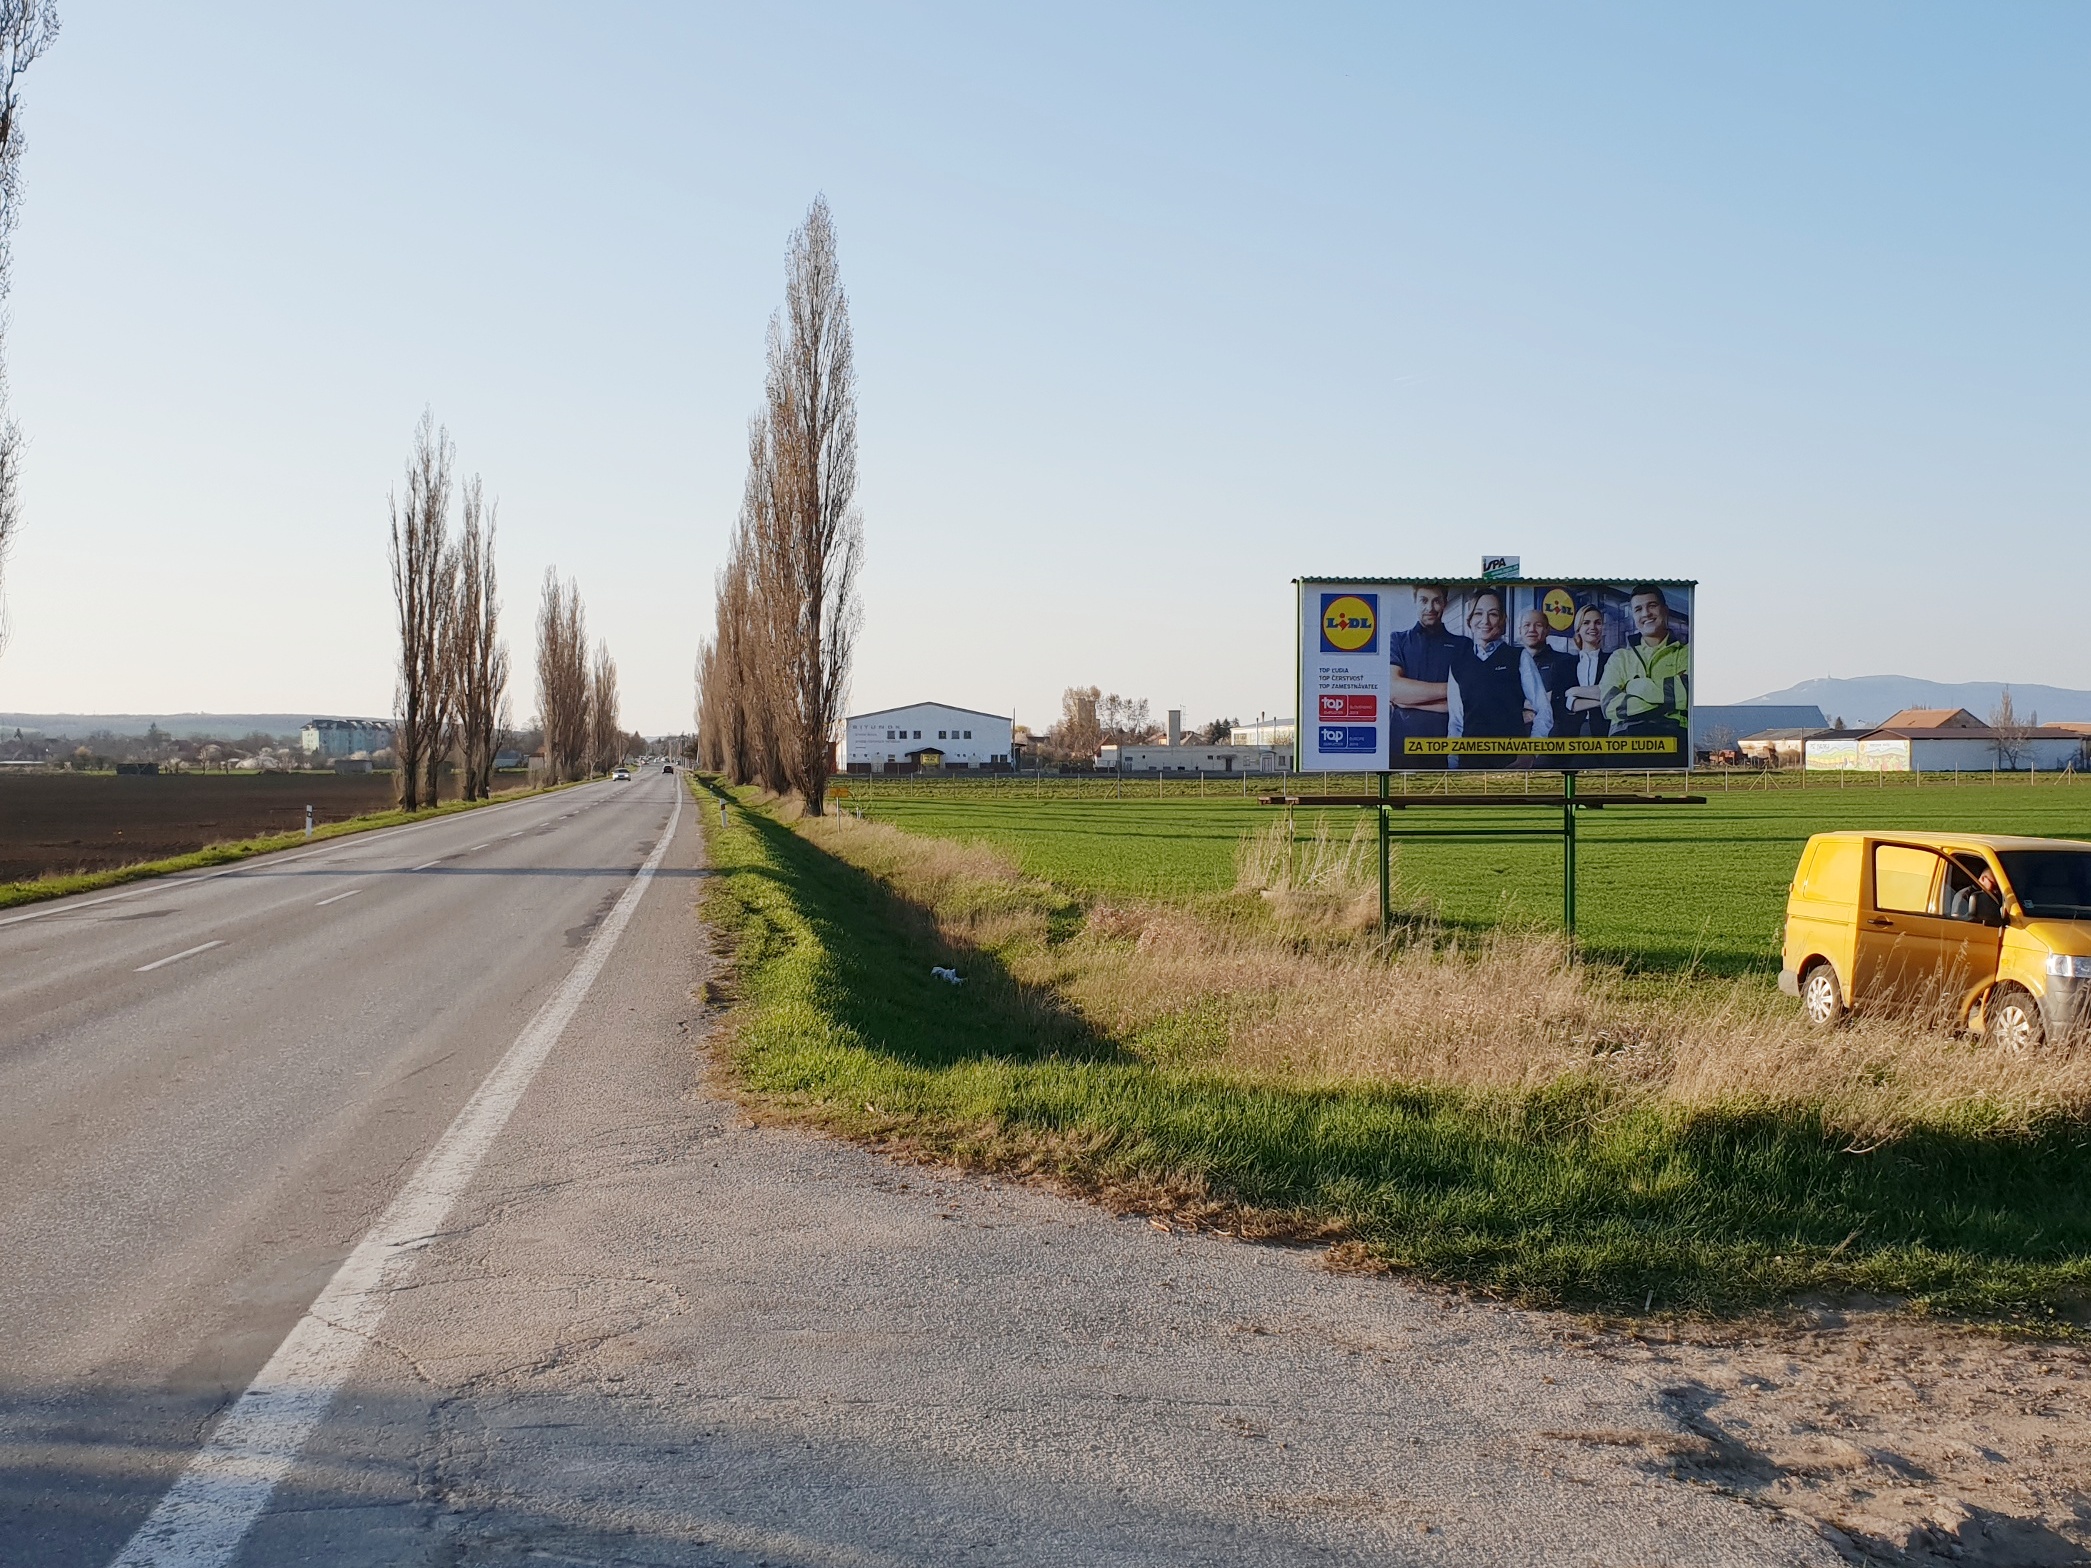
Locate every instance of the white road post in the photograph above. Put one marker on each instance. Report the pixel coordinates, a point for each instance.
(308, 822)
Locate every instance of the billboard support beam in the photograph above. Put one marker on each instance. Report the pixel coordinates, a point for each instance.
(1386, 891)
(1384, 806)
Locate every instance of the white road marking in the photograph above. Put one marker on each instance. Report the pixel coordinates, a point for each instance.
(427, 863)
(337, 898)
(175, 958)
(476, 848)
(215, 1501)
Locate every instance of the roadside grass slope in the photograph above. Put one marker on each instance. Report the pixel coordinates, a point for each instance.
(1581, 1185)
(1676, 887)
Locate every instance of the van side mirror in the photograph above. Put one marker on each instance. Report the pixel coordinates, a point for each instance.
(1988, 911)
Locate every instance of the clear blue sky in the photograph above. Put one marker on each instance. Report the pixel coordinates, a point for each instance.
(1156, 308)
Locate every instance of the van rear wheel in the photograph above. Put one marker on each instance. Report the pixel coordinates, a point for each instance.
(1821, 999)
(2011, 1019)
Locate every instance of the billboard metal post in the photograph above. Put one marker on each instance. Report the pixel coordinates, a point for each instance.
(1568, 854)
(1386, 892)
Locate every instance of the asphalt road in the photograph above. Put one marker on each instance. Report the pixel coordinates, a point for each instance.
(211, 1085)
(650, 1331)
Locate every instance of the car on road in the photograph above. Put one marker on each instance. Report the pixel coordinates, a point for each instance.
(621, 777)
(1992, 932)
(667, 767)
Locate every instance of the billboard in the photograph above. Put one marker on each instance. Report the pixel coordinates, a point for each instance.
(1407, 674)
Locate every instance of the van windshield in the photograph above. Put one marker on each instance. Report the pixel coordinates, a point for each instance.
(2055, 883)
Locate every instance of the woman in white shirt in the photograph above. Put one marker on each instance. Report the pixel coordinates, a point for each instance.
(1586, 696)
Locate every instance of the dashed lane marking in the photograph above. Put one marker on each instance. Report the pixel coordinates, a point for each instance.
(175, 958)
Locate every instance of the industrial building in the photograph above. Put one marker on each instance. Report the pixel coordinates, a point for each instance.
(925, 735)
(1196, 758)
(1724, 727)
(1945, 740)
(1277, 734)
(345, 737)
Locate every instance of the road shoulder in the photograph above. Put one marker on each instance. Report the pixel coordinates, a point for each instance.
(659, 1333)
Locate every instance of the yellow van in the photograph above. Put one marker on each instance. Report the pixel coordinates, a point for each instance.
(1995, 929)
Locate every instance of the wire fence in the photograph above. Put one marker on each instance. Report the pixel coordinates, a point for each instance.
(1044, 785)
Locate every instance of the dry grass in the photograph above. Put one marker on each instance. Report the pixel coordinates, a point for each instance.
(1301, 991)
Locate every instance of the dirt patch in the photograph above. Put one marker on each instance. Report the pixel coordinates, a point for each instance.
(1903, 1441)
(55, 824)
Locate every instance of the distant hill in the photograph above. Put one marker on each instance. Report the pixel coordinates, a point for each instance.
(1868, 699)
(227, 726)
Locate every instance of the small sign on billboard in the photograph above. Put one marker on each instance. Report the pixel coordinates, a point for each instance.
(1474, 673)
(1501, 568)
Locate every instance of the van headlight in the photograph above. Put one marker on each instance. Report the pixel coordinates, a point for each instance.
(2068, 966)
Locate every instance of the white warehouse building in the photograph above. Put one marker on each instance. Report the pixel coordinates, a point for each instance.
(925, 735)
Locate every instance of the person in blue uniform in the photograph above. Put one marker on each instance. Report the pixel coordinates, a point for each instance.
(1422, 661)
(1493, 690)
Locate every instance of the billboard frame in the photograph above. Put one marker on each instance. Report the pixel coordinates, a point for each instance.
(1383, 757)
(1384, 804)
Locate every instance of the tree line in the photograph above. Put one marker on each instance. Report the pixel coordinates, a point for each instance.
(453, 667)
(452, 702)
(773, 676)
(576, 691)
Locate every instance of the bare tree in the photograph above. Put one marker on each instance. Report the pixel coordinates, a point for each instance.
(605, 735)
(478, 658)
(2014, 740)
(706, 750)
(1078, 735)
(422, 568)
(773, 676)
(562, 678)
(808, 578)
(1125, 721)
(27, 29)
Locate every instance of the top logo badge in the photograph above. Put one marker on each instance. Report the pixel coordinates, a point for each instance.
(1349, 622)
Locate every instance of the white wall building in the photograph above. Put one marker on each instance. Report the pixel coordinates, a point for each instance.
(1276, 733)
(1195, 758)
(897, 738)
(345, 737)
(1943, 740)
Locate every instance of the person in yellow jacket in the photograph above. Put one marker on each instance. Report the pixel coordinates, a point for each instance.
(1647, 685)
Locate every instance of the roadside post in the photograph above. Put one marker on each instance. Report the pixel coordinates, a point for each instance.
(308, 822)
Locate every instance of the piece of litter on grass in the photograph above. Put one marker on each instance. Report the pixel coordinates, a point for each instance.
(948, 976)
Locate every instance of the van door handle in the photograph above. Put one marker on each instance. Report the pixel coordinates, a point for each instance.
(1878, 921)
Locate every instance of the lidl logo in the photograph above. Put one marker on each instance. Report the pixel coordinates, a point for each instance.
(1560, 608)
(1349, 622)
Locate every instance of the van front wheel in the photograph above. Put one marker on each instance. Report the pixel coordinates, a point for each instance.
(2012, 1020)
(1820, 999)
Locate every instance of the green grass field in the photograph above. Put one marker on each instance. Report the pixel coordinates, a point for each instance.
(1572, 1192)
(1657, 887)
